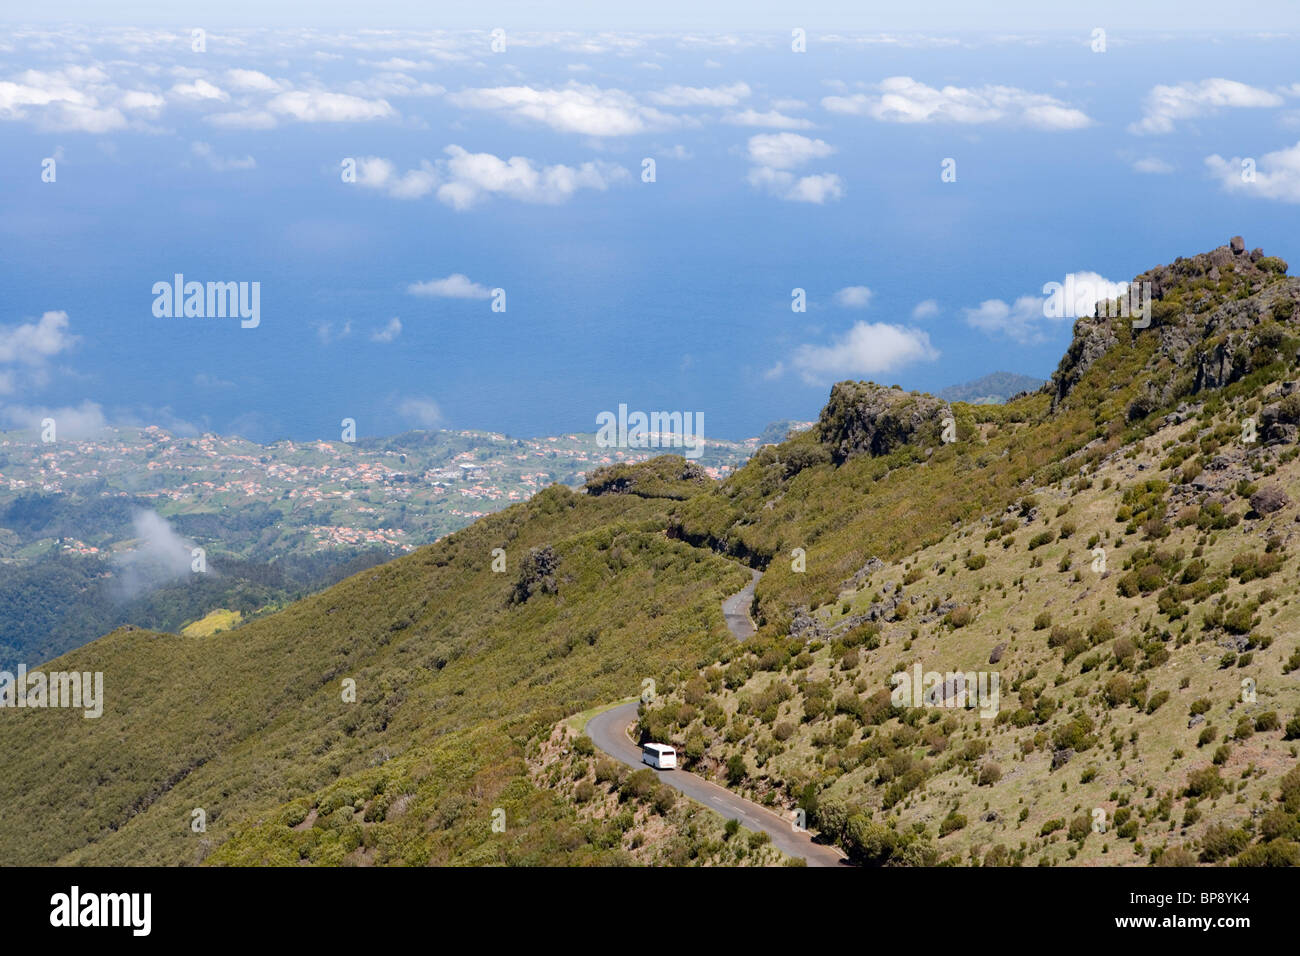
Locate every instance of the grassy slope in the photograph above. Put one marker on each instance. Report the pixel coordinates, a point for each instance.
(451, 680)
(1139, 758)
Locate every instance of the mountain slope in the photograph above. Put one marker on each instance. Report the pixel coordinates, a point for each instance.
(463, 673)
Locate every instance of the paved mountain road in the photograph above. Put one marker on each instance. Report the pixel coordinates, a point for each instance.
(608, 731)
(735, 609)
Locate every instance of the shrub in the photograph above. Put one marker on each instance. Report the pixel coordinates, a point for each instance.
(1292, 728)
(1118, 689)
(1204, 782)
(639, 785)
(990, 774)
(1273, 853)
(1101, 630)
(953, 821)
(1176, 856)
(665, 798)
(736, 771)
(960, 616)
(1220, 842)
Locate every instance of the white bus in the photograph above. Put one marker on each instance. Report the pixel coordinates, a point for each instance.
(659, 756)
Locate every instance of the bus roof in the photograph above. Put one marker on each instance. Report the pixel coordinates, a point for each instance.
(658, 748)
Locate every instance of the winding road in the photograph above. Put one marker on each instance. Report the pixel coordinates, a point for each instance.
(609, 732)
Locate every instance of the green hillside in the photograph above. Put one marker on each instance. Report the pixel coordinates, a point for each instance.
(883, 544)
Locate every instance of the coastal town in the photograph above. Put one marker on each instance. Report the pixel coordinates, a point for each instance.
(392, 493)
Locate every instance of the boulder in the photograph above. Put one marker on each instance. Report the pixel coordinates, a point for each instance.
(1268, 500)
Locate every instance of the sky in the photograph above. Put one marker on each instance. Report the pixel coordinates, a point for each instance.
(518, 230)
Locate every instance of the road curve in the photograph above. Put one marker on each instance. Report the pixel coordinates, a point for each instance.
(608, 731)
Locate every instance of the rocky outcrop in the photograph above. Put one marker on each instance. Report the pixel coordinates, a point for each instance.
(667, 476)
(1279, 423)
(1206, 315)
(863, 418)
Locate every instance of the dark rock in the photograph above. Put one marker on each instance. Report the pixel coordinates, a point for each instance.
(861, 574)
(1197, 720)
(804, 626)
(1269, 499)
(1238, 245)
(996, 654)
(1061, 757)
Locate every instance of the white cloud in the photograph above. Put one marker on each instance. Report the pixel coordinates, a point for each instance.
(866, 349)
(33, 343)
(1166, 104)
(577, 108)
(925, 310)
(464, 178)
(424, 412)
(394, 84)
(901, 99)
(1153, 165)
(374, 172)
(771, 118)
(325, 331)
(455, 286)
(1019, 320)
(67, 99)
(252, 81)
(1277, 174)
(221, 164)
(85, 119)
(473, 175)
(786, 150)
(160, 555)
(775, 154)
(199, 90)
(316, 106)
(1023, 320)
(389, 332)
(700, 95)
(816, 189)
(142, 101)
(853, 297)
(74, 421)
